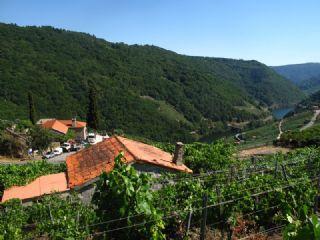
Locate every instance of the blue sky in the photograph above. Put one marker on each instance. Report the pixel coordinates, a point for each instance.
(274, 32)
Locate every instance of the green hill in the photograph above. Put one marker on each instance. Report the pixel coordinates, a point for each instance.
(306, 76)
(298, 73)
(311, 85)
(312, 100)
(144, 90)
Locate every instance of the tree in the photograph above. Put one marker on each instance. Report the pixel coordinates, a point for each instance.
(32, 111)
(92, 114)
(11, 146)
(40, 138)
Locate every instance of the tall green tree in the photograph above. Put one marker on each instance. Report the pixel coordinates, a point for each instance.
(92, 114)
(32, 111)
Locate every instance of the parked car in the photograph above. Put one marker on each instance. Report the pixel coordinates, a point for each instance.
(48, 155)
(58, 151)
(91, 138)
(66, 147)
(75, 147)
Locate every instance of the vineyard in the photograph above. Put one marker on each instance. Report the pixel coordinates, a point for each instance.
(257, 198)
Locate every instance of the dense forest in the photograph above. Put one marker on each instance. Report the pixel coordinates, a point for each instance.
(306, 76)
(309, 102)
(143, 90)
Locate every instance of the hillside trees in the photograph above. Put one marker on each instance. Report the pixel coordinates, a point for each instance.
(92, 114)
(32, 111)
(132, 81)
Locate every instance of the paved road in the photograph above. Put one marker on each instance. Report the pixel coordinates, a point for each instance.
(313, 119)
(55, 160)
(60, 158)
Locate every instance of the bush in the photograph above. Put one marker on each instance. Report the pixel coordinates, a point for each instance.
(124, 192)
(50, 217)
(11, 146)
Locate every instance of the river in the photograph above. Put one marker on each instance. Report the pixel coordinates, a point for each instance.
(281, 112)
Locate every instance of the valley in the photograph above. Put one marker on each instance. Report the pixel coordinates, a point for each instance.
(188, 98)
(104, 140)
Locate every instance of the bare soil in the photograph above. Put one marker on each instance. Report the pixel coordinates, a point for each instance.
(264, 150)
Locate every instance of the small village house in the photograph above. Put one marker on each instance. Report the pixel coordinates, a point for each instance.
(85, 167)
(63, 126)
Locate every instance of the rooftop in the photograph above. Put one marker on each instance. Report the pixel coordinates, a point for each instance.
(89, 163)
(40, 186)
(60, 126)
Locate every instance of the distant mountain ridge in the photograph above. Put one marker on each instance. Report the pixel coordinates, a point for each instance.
(306, 76)
(143, 90)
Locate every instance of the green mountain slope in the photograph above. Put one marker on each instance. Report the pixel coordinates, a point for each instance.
(312, 100)
(144, 90)
(306, 76)
(310, 85)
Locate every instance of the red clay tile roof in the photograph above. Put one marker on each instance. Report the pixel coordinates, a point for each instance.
(62, 126)
(68, 123)
(42, 185)
(55, 125)
(89, 163)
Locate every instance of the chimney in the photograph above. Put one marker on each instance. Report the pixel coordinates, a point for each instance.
(74, 122)
(178, 154)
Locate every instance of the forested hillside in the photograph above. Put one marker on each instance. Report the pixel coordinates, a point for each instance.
(143, 90)
(306, 76)
(311, 85)
(313, 100)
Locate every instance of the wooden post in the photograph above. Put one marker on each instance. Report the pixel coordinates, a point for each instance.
(51, 217)
(284, 172)
(316, 199)
(220, 210)
(189, 223)
(232, 173)
(276, 169)
(204, 217)
(309, 167)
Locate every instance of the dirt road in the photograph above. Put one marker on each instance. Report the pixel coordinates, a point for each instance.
(312, 121)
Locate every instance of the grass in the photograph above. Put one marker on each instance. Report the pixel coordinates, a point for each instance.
(297, 121)
(259, 136)
(168, 110)
(252, 109)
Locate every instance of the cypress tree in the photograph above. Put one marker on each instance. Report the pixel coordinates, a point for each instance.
(92, 114)
(32, 111)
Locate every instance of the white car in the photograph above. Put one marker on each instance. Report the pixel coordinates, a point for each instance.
(91, 138)
(66, 147)
(58, 151)
(49, 155)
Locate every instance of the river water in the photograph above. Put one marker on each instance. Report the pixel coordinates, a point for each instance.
(281, 112)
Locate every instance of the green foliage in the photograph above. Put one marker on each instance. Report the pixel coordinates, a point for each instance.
(202, 157)
(12, 220)
(307, 137)
(62, 219)
(11, 146)
(32, 111)
(51, 217)
(303, 226)
(299, 73)
(12, 174)
(134, 83)
(124, 192)
(40, 138)
(92, 114)
(182, 194)
(296, 120)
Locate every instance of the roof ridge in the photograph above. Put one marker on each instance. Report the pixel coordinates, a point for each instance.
(125, 147)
